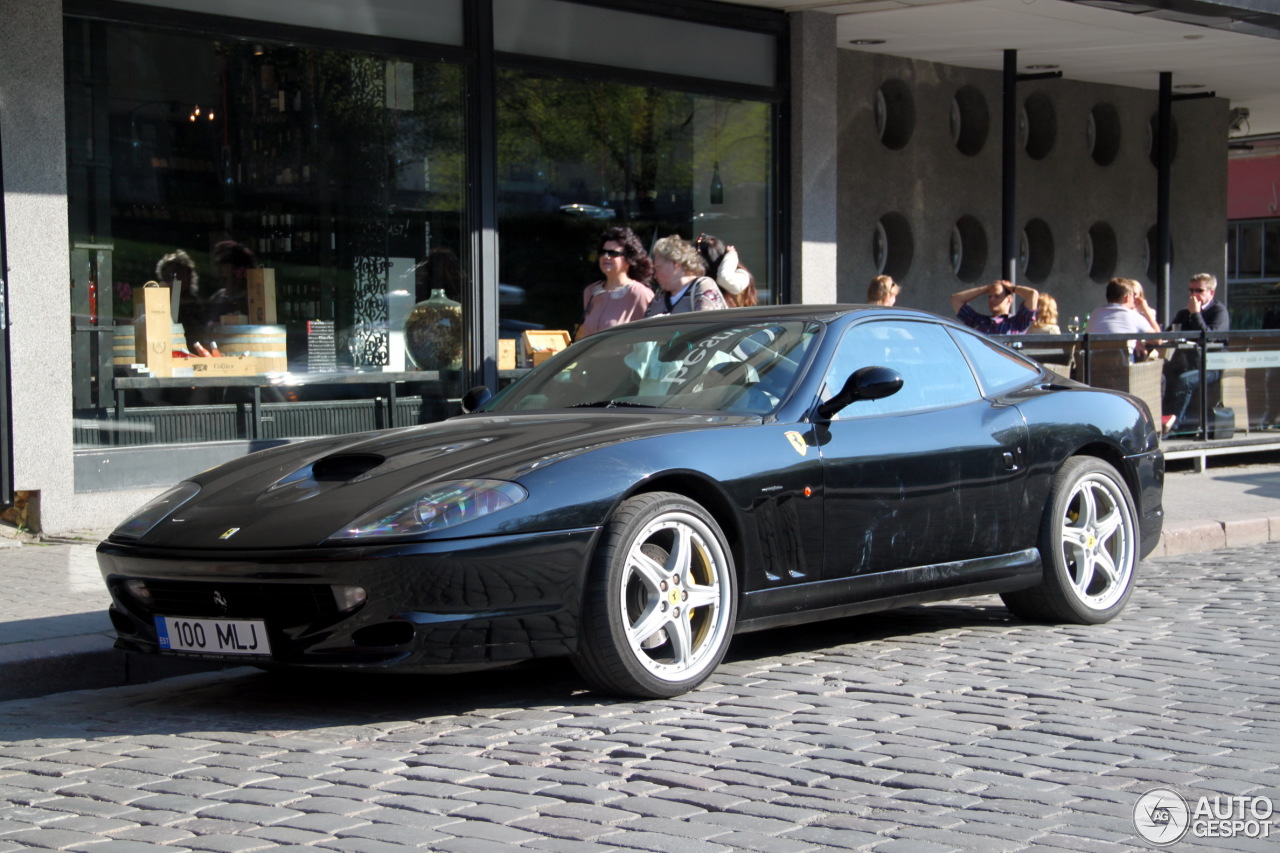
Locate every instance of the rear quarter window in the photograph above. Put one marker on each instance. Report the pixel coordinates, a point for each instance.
(999, 370)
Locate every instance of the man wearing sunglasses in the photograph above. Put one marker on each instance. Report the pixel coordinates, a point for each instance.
(1001, 296)
(1182, 373)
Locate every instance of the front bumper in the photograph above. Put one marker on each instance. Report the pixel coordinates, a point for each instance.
(442, 605)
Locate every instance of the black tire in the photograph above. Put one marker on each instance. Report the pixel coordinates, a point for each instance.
(1089, 545)
(656, 617)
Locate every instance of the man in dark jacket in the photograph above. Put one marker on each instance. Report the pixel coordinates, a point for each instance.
(1182, 371)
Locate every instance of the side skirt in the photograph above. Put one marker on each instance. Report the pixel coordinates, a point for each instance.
(794, 605)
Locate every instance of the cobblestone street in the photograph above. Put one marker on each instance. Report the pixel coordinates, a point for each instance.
(936, 728)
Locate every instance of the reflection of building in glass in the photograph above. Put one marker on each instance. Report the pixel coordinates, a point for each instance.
(1253, 234)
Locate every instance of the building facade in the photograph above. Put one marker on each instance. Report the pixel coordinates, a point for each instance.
(381, 202)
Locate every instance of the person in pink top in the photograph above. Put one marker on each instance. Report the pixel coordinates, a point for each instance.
(625, 293)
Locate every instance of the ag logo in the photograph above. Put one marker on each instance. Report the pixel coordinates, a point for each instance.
(1161, 816)
(798, 442)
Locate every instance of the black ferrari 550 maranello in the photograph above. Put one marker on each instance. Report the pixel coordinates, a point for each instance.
(643, 495)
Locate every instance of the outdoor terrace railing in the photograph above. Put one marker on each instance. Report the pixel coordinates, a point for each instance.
(1238, 370)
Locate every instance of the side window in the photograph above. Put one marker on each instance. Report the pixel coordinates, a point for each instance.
(999, 370)
(934, 373)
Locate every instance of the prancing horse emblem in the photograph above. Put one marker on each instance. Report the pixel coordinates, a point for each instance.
(230, 533)
(797, 442)
(220, 600)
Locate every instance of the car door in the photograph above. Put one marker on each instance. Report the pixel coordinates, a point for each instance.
(931, 474)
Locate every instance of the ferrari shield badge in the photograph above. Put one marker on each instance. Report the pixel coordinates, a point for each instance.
(798, 442)
(232, 532)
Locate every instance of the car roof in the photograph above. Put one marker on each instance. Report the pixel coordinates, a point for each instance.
(819, 313)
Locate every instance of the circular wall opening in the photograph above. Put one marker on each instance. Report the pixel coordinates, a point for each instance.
(895, 114)
(970, 120)
(1152, 128)
(1101, 252)
(1035, 251)
(1104, 134)
(1151, 254)
(1041, 126)
(892, 246)
(968, 249)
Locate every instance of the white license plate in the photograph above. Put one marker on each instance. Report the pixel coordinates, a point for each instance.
(213, 636)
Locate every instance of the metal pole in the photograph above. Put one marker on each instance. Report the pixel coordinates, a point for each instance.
(6, 402)
(482, 203)
(1008, 171)
(1205, 408)
(1164, 157)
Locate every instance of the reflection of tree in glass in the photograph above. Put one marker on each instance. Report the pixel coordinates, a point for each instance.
(624, 134)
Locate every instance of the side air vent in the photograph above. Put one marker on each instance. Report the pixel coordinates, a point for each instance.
(343, 467)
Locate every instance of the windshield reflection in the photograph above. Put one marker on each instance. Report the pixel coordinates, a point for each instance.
(746, 368)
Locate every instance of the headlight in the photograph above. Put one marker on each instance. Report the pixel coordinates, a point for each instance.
(435, 508)
(141, 522)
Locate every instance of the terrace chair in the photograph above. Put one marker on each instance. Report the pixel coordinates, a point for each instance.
(1110, 366)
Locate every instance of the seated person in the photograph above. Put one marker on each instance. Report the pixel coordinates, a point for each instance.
(1000, 299)
(1182, 372)
(1123, 316)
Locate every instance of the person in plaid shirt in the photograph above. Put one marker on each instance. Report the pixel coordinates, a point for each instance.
(1000, 299)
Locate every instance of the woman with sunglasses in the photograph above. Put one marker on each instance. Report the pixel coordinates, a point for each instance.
(624, 294)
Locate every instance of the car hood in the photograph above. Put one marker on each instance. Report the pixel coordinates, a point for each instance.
(301, 494)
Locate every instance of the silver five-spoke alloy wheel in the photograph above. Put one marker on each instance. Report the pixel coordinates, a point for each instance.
(1098, 544)
(1089, 547)
(671, 592)
(659, 608)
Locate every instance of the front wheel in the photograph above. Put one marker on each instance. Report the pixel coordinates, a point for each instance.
(1088, 545)
(661, 600)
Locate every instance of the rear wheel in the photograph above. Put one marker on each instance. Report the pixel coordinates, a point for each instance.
(660, 604)
(1088, 545)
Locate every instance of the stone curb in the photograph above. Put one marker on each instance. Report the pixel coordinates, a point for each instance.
(85, 662)
(1200, 536)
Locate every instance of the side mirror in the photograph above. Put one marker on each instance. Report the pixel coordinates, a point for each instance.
(475, 398)
(866, 383)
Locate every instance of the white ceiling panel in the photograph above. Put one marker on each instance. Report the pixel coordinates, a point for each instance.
(1087, 43)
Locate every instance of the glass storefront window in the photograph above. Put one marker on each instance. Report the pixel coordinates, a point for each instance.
(1232, 233)
(1271, 250)
(1253, 271)
(1249, 246)
(315, 195)
(578, 156)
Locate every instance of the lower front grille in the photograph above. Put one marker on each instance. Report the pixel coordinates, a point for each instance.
(285, 603)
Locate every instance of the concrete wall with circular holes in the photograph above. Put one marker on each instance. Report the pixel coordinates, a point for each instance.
(920, 183)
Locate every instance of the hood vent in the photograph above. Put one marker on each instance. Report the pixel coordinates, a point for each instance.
(343, 467)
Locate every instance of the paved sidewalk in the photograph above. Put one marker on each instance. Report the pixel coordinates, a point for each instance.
(55, 634)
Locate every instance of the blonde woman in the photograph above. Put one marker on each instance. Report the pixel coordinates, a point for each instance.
(883, 290)
(681, 272)
(1046, 317)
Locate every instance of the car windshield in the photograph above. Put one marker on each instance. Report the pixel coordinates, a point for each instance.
(718, 366)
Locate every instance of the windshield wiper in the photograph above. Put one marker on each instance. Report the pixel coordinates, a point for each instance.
(611, 404)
